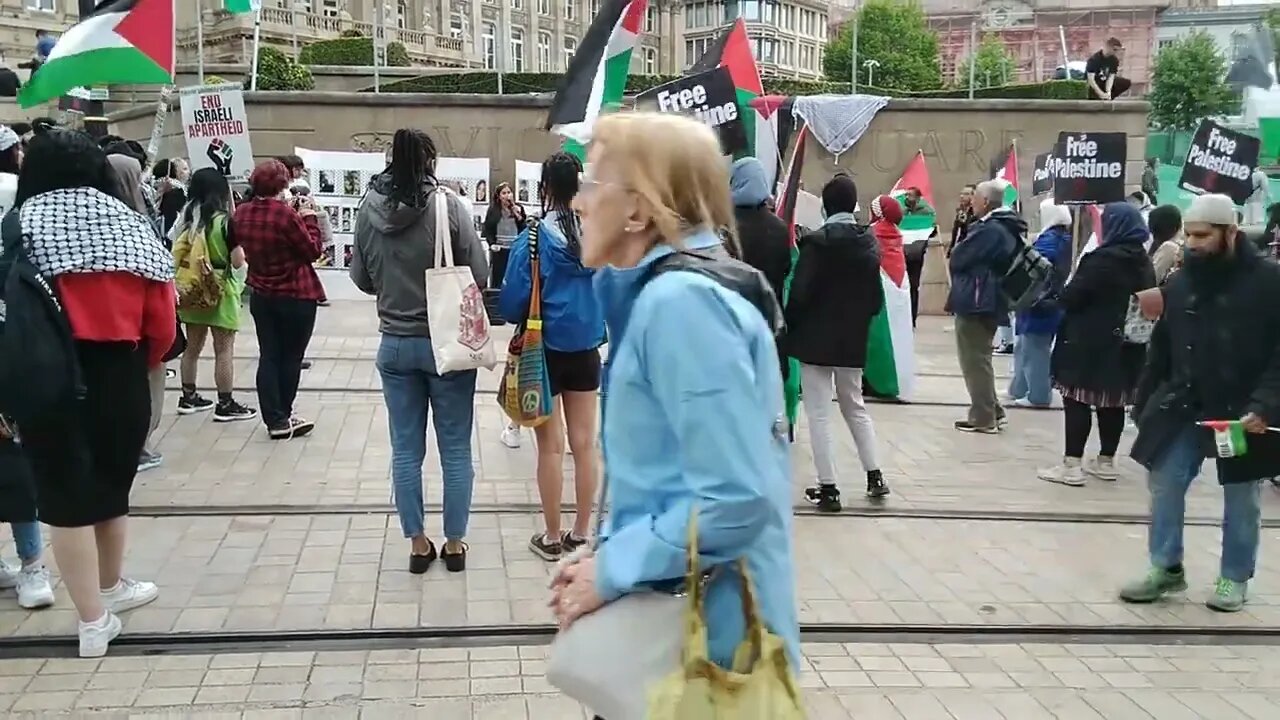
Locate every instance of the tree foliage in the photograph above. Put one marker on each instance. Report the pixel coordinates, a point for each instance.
(896, 35)
(1189, 84)
(1273, 24)
(277, 71)
(349, 51)
(993, 64)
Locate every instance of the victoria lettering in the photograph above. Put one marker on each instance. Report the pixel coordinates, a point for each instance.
(1081, 161)
(1217, 156)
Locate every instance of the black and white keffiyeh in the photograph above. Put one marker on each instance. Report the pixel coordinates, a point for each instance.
(83, 230)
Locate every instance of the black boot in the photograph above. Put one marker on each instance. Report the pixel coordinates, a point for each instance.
(876, 487)
(825, 497)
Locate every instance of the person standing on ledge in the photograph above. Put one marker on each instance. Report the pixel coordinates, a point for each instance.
(1102, 72)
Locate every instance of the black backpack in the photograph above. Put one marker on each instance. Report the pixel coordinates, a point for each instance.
(40, 376)
(1030, 279)
(733, 275)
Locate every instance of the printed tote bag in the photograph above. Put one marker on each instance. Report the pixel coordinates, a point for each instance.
(459, 325)
(525, 389)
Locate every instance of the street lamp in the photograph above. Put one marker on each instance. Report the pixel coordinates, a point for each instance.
(871, 66)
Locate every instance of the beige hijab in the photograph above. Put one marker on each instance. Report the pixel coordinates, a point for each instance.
(129, 175)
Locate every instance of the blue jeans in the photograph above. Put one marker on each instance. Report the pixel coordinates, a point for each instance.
(1168, 482)
(411, 386)
(26, 535)
(1031, 369)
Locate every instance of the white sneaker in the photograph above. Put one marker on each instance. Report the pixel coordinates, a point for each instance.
(1068, 473)
(96, 636)
(34, 590)
(129, 594)
(8, 576)
(511, 436)
(1103, 468)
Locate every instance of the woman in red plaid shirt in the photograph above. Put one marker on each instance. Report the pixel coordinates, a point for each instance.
(281, 240)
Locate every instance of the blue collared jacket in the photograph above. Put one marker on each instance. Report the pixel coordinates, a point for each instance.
(694, 419)
(571, 319)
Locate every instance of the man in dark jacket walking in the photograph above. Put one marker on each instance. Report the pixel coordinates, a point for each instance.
(834, 295)
(762, 235)
(1214, 356)
(977, 264)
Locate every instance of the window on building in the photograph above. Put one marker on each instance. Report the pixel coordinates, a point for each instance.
(689, 57)
(329, 9)
(456, 27)
(650, 19)
(1162, 44)
(650, 61)
(402, 14)
(570, 47)
(544, 7)
(40, 5)
(517, 50)
(571, 8)
(489, 46)
(544, 52)
(517, 4)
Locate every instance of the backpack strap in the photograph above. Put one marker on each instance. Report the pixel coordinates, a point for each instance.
(733, 275)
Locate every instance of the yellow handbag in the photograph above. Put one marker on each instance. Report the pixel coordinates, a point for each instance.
(759, 687)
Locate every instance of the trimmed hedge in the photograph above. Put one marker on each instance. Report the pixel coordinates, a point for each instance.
(277, 71)
(351, 51)
(520, 83)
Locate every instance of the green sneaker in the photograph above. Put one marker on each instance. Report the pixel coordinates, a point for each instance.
(1228, 596)
(1157, 583)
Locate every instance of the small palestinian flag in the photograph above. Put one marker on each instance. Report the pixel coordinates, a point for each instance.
(123, 41)
(1228, 436)
(236, 7)
(597, 74)
(918, 224)
(1005, 169)
(732, 50)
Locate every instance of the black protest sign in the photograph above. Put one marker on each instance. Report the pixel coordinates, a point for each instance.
(1041, 181)
(1087, 168)
(709, 97)
(1220, 161)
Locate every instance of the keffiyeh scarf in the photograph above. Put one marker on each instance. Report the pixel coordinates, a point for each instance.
(83, 230)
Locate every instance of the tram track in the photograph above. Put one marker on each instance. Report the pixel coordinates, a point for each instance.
(464, 636)
(802, 510)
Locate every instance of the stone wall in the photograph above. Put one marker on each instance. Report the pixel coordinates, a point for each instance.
(959, 137)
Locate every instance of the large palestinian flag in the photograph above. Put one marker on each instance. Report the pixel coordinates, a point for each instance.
(786, 210)
(123, 41)
(597, 74)
(732, 50)
(920, 224)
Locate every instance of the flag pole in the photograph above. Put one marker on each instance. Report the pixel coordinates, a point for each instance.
(378, 43)
(200, 40)
(973, 55)
(257, 42)
(853, 58)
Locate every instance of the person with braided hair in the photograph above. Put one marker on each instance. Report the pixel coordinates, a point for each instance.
(573, 330)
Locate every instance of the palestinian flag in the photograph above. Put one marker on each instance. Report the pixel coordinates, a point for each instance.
(786, 210)
(123, 41)
(236, 7)
(1228, 437)
(597, 74)
(1005, 169)
(919, 224)
(732, 50)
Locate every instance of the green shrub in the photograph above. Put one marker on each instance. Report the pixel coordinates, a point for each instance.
(277, 71)
(520, 83)
(351, 51)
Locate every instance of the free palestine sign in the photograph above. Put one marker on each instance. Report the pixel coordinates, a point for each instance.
(710, 97)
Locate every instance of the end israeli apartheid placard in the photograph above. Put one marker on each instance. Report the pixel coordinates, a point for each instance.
(1088, 168)
(1220, 161)
(709, 97)
(216, 129)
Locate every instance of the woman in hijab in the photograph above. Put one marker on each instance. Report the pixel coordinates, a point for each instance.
(1093, 366)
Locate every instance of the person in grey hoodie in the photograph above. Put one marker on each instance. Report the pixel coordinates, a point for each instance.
(395, 237)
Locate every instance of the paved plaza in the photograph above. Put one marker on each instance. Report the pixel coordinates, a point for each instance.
(975, 592)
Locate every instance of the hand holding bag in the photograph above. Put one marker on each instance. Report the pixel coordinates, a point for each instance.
(525, 389)
(459, 325)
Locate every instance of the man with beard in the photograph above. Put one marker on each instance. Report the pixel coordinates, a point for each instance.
(1214, 356)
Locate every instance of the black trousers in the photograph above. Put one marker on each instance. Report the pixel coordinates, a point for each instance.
(915, 267)
(284, 327)
(1078, 418)
(1118, 88)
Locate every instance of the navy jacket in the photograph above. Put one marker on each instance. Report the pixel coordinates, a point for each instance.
(978, 262)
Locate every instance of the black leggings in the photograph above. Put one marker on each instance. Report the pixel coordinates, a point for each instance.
(1079, 423)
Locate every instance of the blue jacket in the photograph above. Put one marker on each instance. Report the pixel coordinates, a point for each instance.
(693, 418)
(978, 261)
(1054, 245)
(571, 317)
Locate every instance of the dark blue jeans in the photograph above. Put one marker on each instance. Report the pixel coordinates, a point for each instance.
(284, 326)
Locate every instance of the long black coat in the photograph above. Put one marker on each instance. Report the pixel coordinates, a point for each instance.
(1090, 353)
(765, 244)
(17, 485)
(1215, 355)
(835, 293)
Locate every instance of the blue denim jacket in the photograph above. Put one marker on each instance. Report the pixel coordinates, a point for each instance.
(571, 319)
(694, 419)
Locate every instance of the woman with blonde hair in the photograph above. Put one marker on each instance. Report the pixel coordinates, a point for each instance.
(693, 420)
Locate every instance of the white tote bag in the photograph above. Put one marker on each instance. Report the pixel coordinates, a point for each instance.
(459, 325)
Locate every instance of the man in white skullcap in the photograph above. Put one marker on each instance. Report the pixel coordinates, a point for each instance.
(1211, 389)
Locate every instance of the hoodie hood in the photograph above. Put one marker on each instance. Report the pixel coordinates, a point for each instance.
(748, 183)
(1011, 221)
(390, 213)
